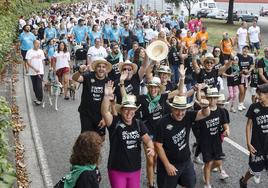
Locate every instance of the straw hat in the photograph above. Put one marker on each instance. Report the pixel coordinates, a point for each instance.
(128, 101)
(222, 100)
(127, 62)
(157, 83)
(212, 92)
(180, 102)
(208, 56)
(157, 50)
(102, 61)
(164, 69)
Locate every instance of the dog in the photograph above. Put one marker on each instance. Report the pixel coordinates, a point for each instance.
(52, 88)
(72, 88)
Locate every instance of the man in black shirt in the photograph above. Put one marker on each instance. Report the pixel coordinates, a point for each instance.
(263, 68)
(92, 94)
(174, 165)
(257, 136)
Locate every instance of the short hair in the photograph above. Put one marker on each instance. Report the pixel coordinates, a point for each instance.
(87, 149)
(263, 88)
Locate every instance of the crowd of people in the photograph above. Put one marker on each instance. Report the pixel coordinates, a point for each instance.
(142, 100)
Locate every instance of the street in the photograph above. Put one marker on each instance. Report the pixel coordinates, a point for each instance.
(59, 129)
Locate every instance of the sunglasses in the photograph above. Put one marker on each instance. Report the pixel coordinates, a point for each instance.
(209, 62)
(129, 69)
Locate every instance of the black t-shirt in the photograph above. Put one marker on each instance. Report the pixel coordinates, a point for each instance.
(173, 57)
(174, 135)
(210, 128)
(114, 60)
(259, 136)
(87, 179)
(209, 78)
(132, 87)
(244, 62)
(190, 75)
(92, 95)
(233, 81)
(263, 63)
(150, 118)
(125, 145)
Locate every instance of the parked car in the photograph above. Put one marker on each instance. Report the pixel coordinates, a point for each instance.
(263, 12)
(222, 15)
(203, 13)
(244, 17)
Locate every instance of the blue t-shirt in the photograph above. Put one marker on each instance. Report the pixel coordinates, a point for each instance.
(79, 33)
(124, 34)
(114, 34)
(50, 33)
(106, 30)
(130, 54)
(51, 50)
(140, 36)
(93, 35)
(26, 40)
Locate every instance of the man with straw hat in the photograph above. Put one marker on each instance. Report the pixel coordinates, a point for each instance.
(210, 141)
(92, 94)
(126, 134)
(130, 78)
(174, 165)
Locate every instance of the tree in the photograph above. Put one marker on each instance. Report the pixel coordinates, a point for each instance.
(188, 4)
(230, 12)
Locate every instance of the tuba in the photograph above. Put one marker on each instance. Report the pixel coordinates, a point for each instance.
(157, 50)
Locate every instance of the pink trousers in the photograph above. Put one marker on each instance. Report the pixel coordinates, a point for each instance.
(233, 91)
(119, 179)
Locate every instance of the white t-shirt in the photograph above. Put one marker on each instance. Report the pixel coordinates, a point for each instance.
(242, 36)
(254, 34)
(149, 34)
(62, 59)
(21, 23)
(183, 33)
(35, 59)
(97, 53)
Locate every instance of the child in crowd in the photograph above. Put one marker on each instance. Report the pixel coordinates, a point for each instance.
(232, 75)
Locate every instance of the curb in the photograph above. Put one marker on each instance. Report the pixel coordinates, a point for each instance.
(41, 157)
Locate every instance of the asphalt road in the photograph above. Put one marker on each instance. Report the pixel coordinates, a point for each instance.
(59, 129)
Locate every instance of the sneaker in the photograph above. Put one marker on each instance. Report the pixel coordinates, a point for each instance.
(242, 185)
(197, 160)
(243, 107)
(240, 108)
(215, 170)
(207, 186)
(66, 98)
(223, 175)
(257, 179)
(37, 102)
(232, 109)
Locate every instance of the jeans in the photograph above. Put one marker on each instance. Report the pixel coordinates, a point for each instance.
(37, 86)
(175, 77)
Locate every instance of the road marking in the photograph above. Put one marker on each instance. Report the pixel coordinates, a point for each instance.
(236, 145)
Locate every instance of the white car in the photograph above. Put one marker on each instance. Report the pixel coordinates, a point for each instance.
(222, 15)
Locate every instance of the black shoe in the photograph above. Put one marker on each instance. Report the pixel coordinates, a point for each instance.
(152, 186)
(242, 185)
(66, 98)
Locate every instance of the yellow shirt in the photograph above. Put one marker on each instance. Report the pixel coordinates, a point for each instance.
(203, 37)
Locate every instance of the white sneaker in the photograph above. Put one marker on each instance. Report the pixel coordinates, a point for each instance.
(223, 175)
(243, 107)
(197, 160)
(215, 170)
(207, 186)
(240, 108)
(257, 179)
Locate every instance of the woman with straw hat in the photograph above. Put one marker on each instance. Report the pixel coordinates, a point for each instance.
(210, 141)
(174, 165)
(152, 109)
(126, 134)
(92, 94)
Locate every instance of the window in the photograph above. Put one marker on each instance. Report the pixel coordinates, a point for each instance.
(211, 5)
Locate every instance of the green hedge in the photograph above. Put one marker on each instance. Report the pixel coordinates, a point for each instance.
(9, 16)
(7, 172)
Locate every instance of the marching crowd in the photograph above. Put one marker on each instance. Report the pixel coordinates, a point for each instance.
(151, 79)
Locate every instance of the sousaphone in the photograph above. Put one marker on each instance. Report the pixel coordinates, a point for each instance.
(157, 50)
